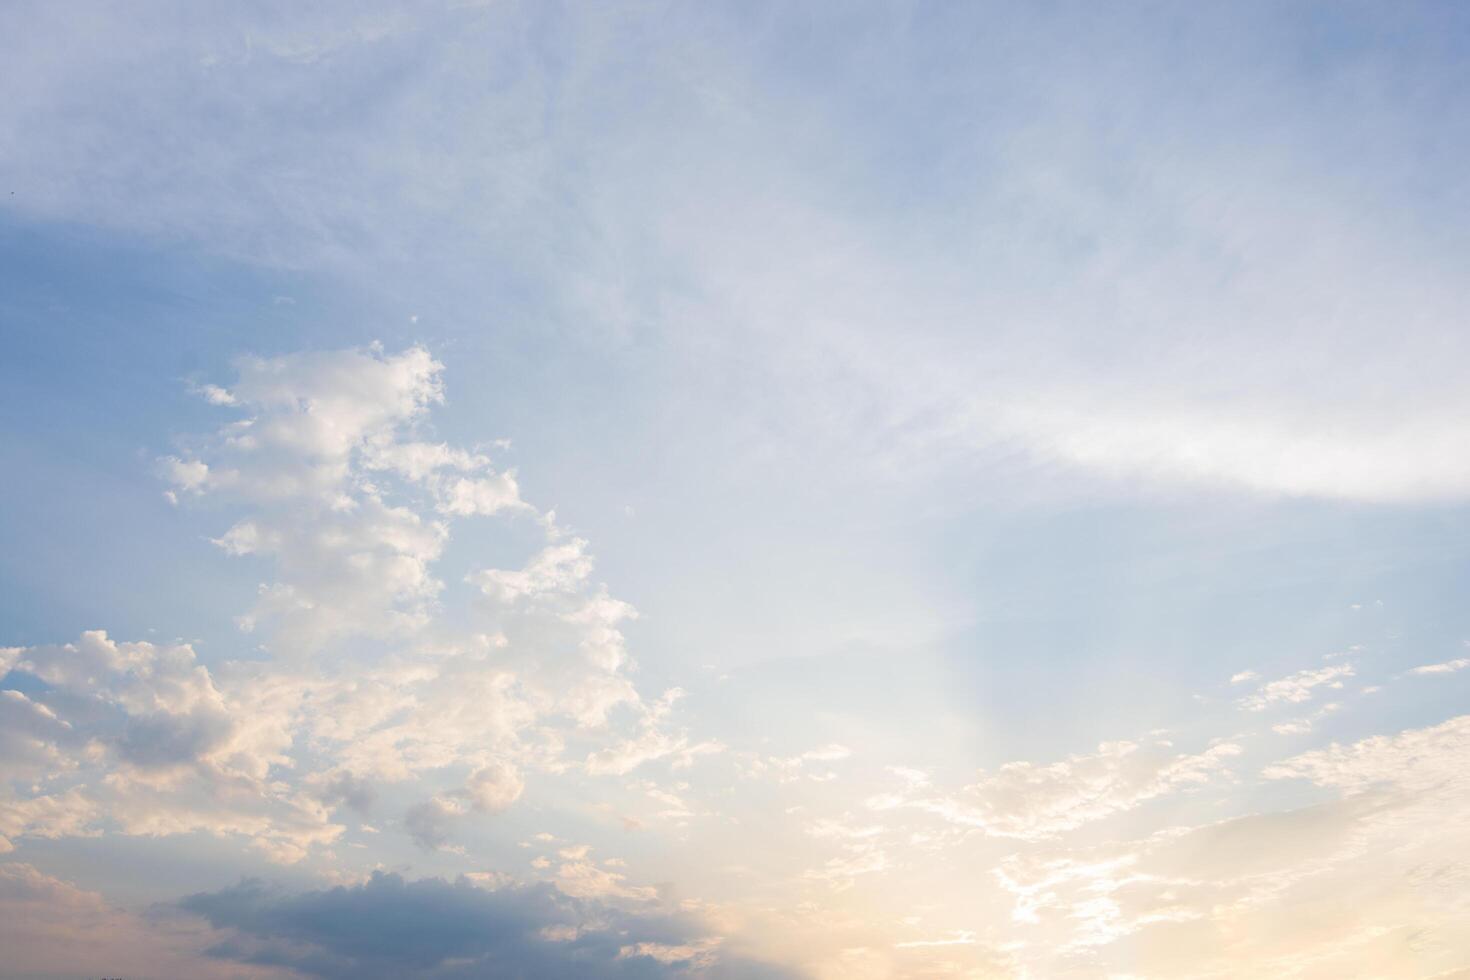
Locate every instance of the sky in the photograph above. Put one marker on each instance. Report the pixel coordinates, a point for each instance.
(734, 490)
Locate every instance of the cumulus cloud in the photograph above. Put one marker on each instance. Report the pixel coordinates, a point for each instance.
(151, 745)
(494, 786)
(484, 495)
(489, 789)
(335, 490)
(314, 426)
(558, 569)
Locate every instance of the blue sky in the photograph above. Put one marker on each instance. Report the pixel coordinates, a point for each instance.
(897, 490)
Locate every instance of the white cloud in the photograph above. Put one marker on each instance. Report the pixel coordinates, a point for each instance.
(1423, 759)
(1448, 667)
(315, 426)
(561, 567)
(1402, 460)
(579, 877)
(154, 746)
(1297, 688)
(494, 786)
(418, 461)
(216, 395)
(484, 495)
(67, 814)
(350, 510)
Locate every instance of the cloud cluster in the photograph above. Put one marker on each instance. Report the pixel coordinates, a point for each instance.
(462, 698)
(367, 679)
(140, 739)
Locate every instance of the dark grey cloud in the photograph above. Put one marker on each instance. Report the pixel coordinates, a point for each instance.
(352, 790)
(428, 824)
(165, 740)
(390, 927)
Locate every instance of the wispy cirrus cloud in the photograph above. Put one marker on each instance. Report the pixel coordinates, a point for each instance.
(1208, 378)
(1034, 801)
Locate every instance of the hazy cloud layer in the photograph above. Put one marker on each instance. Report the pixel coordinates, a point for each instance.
(1186, 282)
(1009, 463)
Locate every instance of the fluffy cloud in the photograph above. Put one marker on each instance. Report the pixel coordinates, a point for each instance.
(351, 509)
(490, 789)
(151, 745)
(494, 786)
(342, 498)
